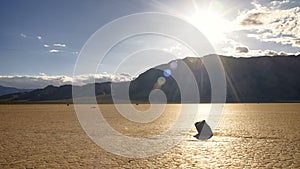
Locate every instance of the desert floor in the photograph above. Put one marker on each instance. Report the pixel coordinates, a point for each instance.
(248, 136)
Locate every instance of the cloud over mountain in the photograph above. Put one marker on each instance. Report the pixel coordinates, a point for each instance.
(33, 82)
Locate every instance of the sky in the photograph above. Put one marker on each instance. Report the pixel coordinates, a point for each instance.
(40, 41)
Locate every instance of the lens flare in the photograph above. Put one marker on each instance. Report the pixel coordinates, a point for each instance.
(173, 65)
(167, 72)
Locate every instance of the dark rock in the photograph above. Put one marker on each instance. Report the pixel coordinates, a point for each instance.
(204, 131)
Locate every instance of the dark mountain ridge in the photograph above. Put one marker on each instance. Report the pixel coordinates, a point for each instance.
(249, 80)
(10, 90)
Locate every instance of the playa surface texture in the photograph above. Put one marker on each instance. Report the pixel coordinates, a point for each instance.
(248, 136)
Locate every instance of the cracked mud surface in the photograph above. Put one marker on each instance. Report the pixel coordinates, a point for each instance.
(248, 136)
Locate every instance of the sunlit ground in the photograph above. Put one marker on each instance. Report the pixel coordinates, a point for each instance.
(248, 136)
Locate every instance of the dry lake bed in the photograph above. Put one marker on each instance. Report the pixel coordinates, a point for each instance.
(248, 136)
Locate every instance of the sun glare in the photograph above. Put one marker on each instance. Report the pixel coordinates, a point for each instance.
(212, 25)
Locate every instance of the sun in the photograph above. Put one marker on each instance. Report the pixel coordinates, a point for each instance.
(211, 24)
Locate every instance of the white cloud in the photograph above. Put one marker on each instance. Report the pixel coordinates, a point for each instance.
(244, 51)
(278, 3)
(23, 35)
(39, 37)
(43, 80)
(46, 46)
(32, 81)
(59, 45)
(271, 23)
(55, 51)
(99, 78)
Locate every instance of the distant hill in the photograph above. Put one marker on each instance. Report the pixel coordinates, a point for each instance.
(256, 79)
(10, 90)
(54, 93)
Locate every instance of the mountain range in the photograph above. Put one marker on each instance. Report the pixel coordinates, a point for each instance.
(248, 80)
(10, 90)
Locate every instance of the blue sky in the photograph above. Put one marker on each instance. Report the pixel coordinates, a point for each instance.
(40, 40)
(57, 22)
